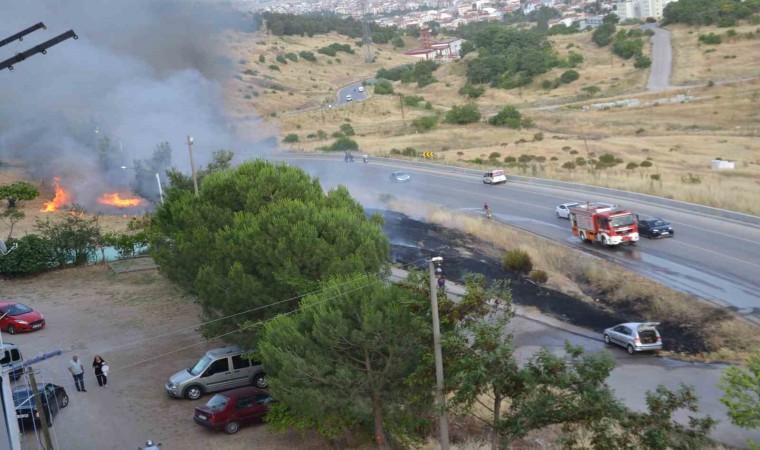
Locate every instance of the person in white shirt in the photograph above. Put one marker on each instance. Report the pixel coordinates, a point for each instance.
(77, 370)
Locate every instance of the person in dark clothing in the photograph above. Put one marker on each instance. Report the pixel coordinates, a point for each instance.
(441, 282)
(100, 374)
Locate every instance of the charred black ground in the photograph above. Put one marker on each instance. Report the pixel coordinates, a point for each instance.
(413, 242)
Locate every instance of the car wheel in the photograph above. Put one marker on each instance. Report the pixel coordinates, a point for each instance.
(630, 349)
(11, 329)
(558, 216)
(260, 381)
(605, 241)
(607, 339)
(64, 401)
(193, 392)
(231, 427)
(582, 235)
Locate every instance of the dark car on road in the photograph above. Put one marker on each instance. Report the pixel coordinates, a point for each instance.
(52, 398)
(230, 409)
(654, 227)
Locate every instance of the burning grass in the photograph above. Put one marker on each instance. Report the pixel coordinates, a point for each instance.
(697, 330)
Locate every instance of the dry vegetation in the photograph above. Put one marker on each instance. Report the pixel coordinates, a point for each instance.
(679, 138)
(728, 336)
(694, 61)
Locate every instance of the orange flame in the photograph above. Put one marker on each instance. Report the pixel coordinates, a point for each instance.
(115, 199)
(62, 198)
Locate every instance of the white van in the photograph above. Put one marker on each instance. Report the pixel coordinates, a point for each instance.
(494, 177)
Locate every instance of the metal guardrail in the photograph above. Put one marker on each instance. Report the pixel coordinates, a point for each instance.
(747, 219)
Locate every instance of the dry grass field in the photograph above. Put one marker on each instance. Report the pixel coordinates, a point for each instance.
(735, 57)
(679, 138)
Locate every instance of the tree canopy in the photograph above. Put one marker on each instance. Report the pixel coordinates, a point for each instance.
(742, 393)
(260, 235)
(341, 361)
(708, 12)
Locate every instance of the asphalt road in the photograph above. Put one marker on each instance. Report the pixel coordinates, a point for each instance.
(709, 257)
(634, 375)
(353, 90)
(662, 59)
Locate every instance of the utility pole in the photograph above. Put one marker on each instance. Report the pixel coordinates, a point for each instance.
(9, 407)
(160, 189)
(192, 163)
(443, 423)
(401, 103)
(41, 408)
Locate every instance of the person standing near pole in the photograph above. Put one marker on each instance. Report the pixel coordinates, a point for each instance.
(77, 370)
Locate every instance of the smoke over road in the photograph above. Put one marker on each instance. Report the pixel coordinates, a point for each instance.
(141, 72)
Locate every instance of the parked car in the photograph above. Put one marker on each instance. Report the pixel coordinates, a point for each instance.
(361, 88)
(494, 177)
(654, 227)
(9, 356)
(53, 399)
(15, 317)
(228, 410)
(563, 210)
(218, 370)
(348, 98)
(400, 177)
(635, 336)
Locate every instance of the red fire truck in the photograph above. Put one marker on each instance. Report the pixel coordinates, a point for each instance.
(603, 223)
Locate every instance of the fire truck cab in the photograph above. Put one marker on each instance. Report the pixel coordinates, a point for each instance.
(607, 224)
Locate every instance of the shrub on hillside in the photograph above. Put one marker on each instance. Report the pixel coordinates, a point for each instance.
(463, 114)
(642, 62)
(422, 124)
(517, 261)
(710, 39)
(472, 91)
(509, 117)
(308, 56)
(569, 76)
(343, 144)
(383, 87)
(33, 255)
(539, 276)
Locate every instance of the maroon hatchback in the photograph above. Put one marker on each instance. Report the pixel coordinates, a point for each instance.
(228, 410)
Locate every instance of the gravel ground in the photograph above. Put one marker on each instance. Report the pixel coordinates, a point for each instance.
(92, 311)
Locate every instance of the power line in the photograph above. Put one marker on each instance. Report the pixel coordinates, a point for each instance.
(90, 378)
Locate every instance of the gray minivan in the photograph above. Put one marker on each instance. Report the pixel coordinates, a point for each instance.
(218, 370)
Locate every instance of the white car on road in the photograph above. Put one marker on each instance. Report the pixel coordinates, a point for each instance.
(361, 88)
(563, 210)
(348, 98)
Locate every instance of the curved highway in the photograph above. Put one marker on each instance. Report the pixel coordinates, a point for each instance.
(710, 257)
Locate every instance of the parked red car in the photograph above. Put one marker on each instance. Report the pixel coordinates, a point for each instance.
(228, 410)
(15, 317)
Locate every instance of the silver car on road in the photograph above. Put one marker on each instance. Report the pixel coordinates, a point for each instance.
(635, 336)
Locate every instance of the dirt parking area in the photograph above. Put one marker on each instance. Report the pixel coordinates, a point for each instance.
(129, 320)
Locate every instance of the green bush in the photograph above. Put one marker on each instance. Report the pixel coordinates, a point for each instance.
(308, 56)
(262, 58)
(538, 137)
(281, 59)
(710, 39)
(290, 138)
(510, 160)
(569, 76)
(627, 48)
(631, 165)
(383, 87)
(292, 56)
(509, 117)
(642, 62)
(347, 129)
(33, 255)
(422, 124)
(603, 34)
(398, 42)
(343, 144)
(274, 67)
(574, 59)
(463, 114)
(646, 164)
(412, 100)
(539, 276)
(494, 155)
(472, 91)
(410, 151)
(568, 165)
(517, 261)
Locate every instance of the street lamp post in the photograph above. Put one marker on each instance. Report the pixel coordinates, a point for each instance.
(158, 180)
(442, 418)
(192, 163)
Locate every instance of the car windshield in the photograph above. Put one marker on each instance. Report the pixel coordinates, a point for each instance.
(621, 220)
(198, 368)
(217, 402)
(18, 309)
(658, 223)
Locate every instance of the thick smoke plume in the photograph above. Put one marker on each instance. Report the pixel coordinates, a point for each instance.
(142, 72)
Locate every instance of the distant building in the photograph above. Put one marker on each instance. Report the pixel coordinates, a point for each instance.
(640, 9)
(442, 51)
(592, 22)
